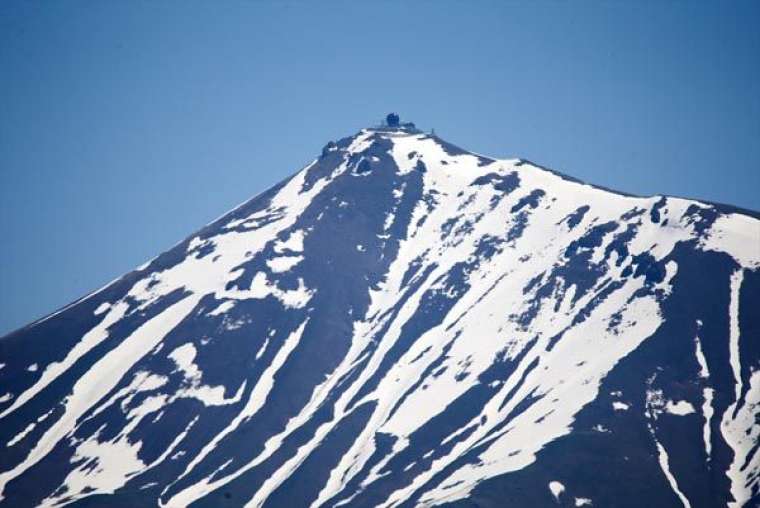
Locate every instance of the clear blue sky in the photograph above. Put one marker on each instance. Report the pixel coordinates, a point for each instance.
(125, 126)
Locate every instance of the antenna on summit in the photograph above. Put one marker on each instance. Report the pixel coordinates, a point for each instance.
(392, 123)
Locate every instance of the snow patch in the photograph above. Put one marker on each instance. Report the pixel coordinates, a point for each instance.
(557, 489)
(738, 236)
(222, 308)
(294, 243)
(284, 263)
(680, 408)
(102, 308)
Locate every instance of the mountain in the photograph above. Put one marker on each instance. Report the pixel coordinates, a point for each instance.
(404, 323)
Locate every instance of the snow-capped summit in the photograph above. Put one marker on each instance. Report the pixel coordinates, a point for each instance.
(405, 323)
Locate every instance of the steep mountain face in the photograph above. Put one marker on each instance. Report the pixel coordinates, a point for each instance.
(404, 323)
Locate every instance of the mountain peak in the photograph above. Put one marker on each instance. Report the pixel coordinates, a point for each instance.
(400, 323)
